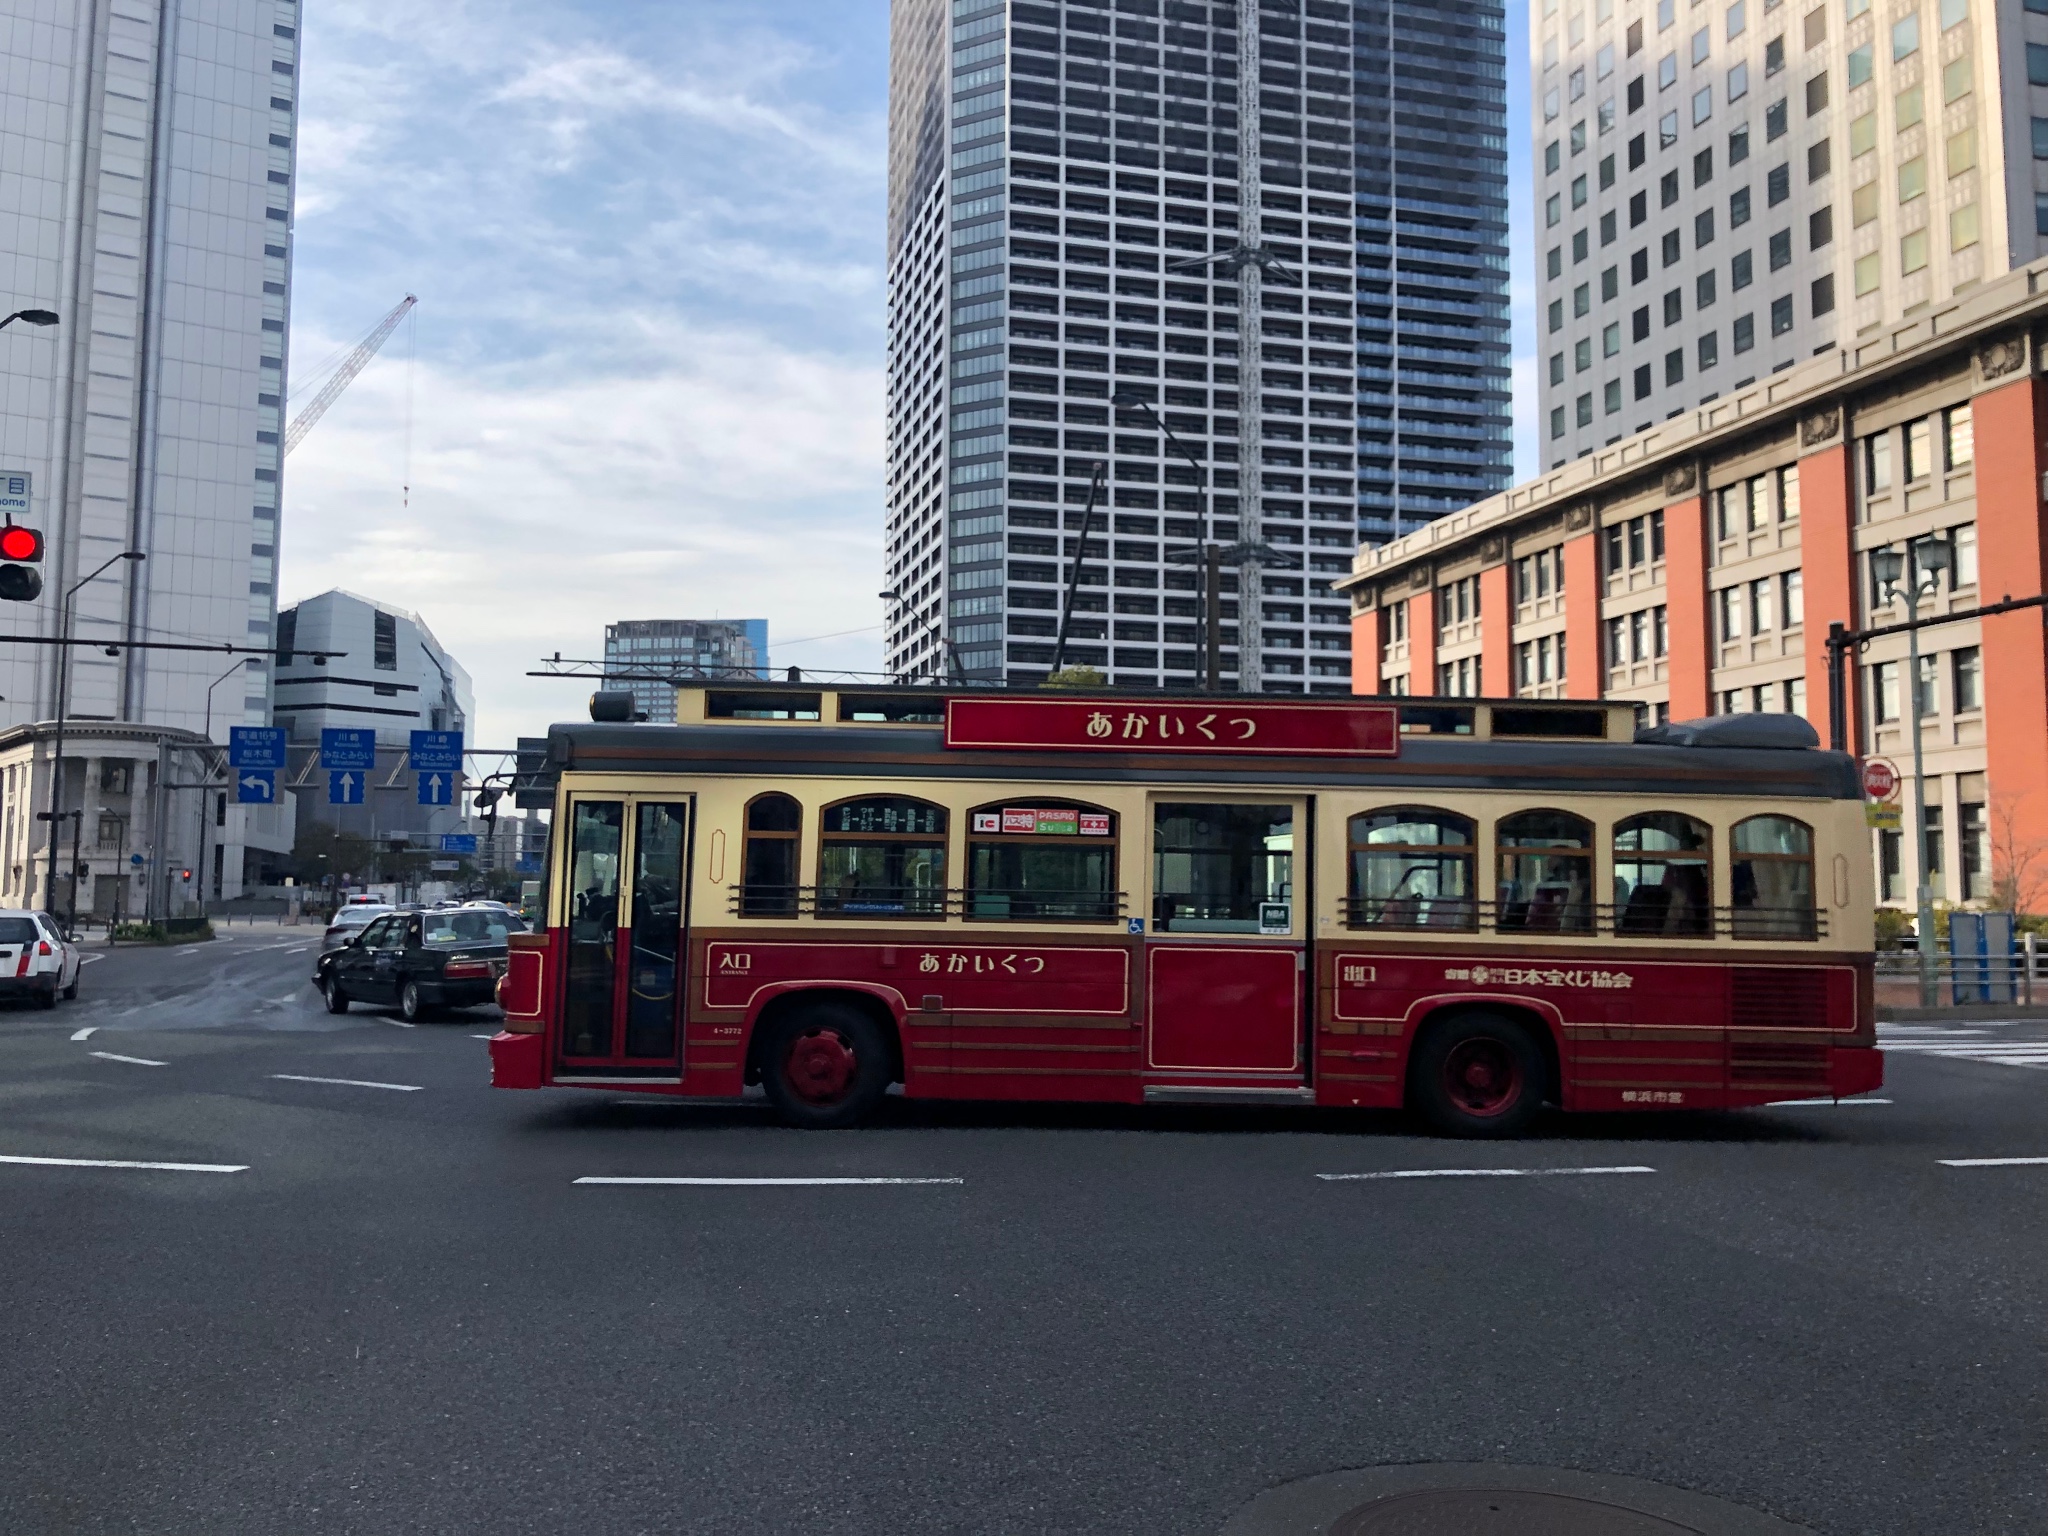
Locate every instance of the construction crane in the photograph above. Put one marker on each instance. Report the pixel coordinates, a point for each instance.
(351, 365)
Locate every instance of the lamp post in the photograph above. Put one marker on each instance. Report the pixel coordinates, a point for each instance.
(1207, 554)
(952, 653)
(64, 617)
(31, 316)
(206, 778)
(1921, 565)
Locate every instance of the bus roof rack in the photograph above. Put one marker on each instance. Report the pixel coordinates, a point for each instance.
(1786, 732)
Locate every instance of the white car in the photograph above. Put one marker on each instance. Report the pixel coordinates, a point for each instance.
(348, 922)
(35, 959)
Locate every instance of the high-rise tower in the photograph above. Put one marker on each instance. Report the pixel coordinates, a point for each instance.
(1727, 187)
(1088, 243)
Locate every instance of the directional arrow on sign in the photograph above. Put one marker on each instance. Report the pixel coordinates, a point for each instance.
(344, 788)
(256, 787)
(436, 789)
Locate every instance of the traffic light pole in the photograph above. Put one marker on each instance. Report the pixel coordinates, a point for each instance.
(1841, 640)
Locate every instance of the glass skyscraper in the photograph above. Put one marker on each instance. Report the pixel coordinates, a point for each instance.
(1070, 231)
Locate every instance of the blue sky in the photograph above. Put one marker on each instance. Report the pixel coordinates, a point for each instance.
(645, 375)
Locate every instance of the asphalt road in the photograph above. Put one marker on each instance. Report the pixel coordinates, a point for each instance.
(406, 1314)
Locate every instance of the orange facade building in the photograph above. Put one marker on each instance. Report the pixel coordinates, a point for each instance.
(1694, 569)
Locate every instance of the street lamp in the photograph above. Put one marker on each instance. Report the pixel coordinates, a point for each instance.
(32, 316)
(1921, 567)
(64, 616)
(206, 780)
(895, 595)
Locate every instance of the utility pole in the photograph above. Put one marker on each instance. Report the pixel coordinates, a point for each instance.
(1250, 350)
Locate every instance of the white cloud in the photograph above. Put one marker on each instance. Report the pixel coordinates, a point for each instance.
(647, 246)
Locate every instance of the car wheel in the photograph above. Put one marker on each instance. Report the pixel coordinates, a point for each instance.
(825, 1066)
(47, 999)
(1477, 1074)
(337, 1000)
(71, 992)
(411, 1007)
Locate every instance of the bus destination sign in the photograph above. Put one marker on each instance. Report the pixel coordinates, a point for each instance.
(1232, 725)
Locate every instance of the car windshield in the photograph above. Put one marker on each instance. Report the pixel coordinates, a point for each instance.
(467, 927)
(17, 930)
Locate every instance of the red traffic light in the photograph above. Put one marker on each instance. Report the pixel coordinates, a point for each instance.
(18, 543)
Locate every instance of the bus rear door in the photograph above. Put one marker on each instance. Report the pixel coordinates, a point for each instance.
(1226, 943)
(628, 920)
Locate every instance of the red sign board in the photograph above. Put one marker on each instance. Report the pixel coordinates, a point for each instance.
(1253, 727)
(1880, 779)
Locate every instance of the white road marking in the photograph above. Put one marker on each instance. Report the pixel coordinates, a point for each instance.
(483, 1037)
(346, 1082)
(105, 1162)
(695, 1182)
(85, 1033)
(126, 1011)
(1990, 1162)
(188, 951)
(1821, 1103)
(2013, 1054)
(300, 949)
(401, 1024)
(134, 1061)
(1477, 1173)
(91, 959)
(764, 1183)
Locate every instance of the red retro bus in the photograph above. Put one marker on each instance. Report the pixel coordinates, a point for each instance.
(1468, 907)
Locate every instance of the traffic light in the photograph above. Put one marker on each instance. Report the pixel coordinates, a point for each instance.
(21, 548)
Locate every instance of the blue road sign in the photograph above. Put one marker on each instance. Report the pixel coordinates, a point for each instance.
(347, 749)
(437, 789)
(436, 752)
(255, 786)
(344, 787)
(135, 859)
(458, 842)
(256, 746)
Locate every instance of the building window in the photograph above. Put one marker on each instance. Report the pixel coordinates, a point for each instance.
(1823, 295)
(1781, 249)
(1966, 680)
(1792, 598)
(1884, 692)
(384, 642)
(1959, 441)
(1674, 366)
(1744, 332)
(1913, 252)
(1777, 184)
(1781, 316)
(1642, 382)
(1974, 843)
(1817, 94)
(1775, 120)
(1741, 270)
(1709, 350)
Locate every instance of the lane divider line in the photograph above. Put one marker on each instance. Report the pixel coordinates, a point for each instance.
(346, 1082)
(401, 1024)
(133, 1061)
(85, 1033)
(709, 1182)
(1478, 1173)
(483, 1037)
(109, 1162)
(1991, 1162)
(1821, 1103)
(761, 1183)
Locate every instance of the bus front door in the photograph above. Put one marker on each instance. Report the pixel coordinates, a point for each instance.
(627, 926)
(1227, 937)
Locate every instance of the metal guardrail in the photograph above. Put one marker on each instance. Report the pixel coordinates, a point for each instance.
(1959, 981)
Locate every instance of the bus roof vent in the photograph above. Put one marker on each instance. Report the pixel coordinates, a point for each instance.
(1787, 732)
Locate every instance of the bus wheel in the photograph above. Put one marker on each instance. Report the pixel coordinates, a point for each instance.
(1476, 1074)
(825, 1066)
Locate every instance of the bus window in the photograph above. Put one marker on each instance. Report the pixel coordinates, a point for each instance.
(1663, 882)
(1546, 873)
(1046, 859)
(1222, 868)
(1771, 872)
(768, 874)
(884, 856)
(1411, 867)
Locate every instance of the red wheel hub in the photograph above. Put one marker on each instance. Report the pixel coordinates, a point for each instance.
(1482, 1077)
(820, 1067)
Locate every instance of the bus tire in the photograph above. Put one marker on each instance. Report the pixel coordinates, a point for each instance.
(825, 1066)
(1476, 1074)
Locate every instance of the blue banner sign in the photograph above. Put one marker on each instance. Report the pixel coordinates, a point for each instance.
(256, 746)
(436, 752)
(347, 748)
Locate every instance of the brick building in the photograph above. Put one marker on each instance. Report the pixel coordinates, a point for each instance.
(1694, 569)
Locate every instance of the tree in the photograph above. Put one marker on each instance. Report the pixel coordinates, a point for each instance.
(2019, 863)
(1076, 677)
